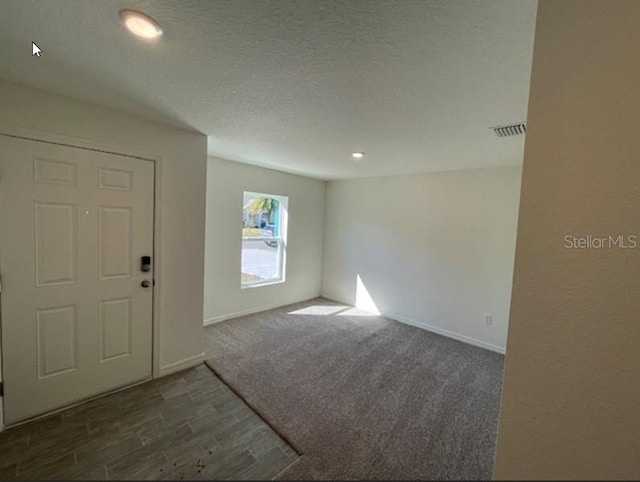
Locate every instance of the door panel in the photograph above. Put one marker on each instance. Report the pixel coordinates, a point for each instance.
(56, 243)
(57, 339)
(115, 328)
(73, 226)
(116, 237)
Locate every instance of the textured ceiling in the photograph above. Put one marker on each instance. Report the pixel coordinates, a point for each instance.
(296, 85)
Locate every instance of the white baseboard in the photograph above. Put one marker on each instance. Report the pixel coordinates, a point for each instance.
(181, 364)
(433, 329)
(391, 316)
(251, 311)
(447, 333)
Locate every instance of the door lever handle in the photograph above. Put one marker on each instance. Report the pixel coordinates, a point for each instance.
(145, 283)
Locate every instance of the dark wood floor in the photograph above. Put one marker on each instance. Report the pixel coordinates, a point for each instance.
(185, 426)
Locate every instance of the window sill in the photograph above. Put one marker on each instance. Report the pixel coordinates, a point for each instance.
(259, 284)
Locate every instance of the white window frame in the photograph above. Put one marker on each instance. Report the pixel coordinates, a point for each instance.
(281, 240)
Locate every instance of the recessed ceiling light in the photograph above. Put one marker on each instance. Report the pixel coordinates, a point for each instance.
(140, 24)
(358, 155)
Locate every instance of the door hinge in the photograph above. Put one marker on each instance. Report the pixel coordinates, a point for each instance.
(1, 389)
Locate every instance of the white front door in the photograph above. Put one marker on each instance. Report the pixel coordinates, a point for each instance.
(76, 319)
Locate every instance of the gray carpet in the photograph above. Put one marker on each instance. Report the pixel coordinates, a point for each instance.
(361, 396)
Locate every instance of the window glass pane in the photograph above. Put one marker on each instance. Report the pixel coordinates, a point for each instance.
(260, 216)
(260, 260)
(264, 225)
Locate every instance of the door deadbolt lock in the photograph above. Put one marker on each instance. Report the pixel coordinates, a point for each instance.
(145, 283)
(145, 264)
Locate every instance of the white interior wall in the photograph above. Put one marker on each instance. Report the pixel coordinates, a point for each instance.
(433, 250)
(571, 396)
(182, 166)
(226, 182)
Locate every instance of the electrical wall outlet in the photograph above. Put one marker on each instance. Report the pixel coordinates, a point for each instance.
(488, 319)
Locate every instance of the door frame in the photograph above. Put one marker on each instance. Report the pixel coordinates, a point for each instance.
(89, 145)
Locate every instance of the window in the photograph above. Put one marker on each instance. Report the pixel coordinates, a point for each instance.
(264, 238)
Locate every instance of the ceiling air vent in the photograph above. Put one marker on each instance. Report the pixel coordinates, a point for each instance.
(510, 130)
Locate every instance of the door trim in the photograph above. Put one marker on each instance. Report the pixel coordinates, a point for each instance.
(84, 144)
